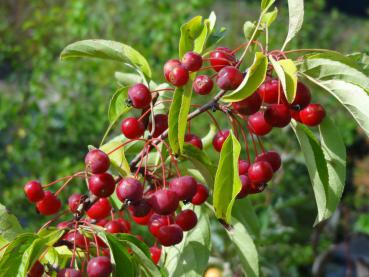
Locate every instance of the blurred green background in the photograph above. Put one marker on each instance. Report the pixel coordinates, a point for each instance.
(51, 110)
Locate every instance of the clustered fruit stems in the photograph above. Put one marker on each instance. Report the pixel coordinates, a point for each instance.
(91, 199)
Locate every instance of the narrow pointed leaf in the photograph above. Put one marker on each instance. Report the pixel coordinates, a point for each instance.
(296, 18)
(245, 247)
(353, 97)
(290, 75)
(106, 49)
(227, 182)
(9, 225)
(177, 120)
(324, 186)
(254, 78)
(189, 32)
(335, 154)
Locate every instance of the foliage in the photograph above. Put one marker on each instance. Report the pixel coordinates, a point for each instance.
(327, 73)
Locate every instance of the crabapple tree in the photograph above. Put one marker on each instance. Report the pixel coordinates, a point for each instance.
(157, 173)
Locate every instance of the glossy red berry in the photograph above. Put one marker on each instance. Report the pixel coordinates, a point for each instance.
(219, 139)
(49, 205)
(256, 188)
(178, 76)
(302, 98)
(186, 219)
(257, 125)
(164, 201)
(277, 115)
(99, 267)
(73, 201)
(245, 186)
(194, 140)
(102, 222)
(203, 84)
(201, 195)
(156, 221)
(140, 96)
(64, 225)
(248, 106)
(142, 220)
(272, 157)
(97, 161)
(243, 167)
(129, 189)
(184, 187)
(37, 270)
(132, 128)
(100, 209)
(155, 253)
(69, 272)
(229, 78)
(101, 185)
(161, 124)
(76, 238)
(295, 115)
(260, 172)
(126, 224)
(221, 57)
(170, 235)
(115, 227)
(34, 191)
(168, 67)
(312, 115)
(192, 61)
(140, 208)
(271, 92)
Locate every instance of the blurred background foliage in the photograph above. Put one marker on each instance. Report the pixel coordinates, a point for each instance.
(51, 110)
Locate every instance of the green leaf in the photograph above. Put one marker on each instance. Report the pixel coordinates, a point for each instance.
(107, 49)
(244, 212)
(141, 253)
(329, 66)
(123, 264)
(246, 248)
(287, 73)
(208, 27)
(268, 18)
(190, 257)
(177, 120)
(118, 105)
(266, 4)
(55, 257)
(215, 38)
(189, 32)
(296, 18)
(335, 154)
(354, 98)
(318, 171)
(9, 225)
(37, 248)
(208, 139)
(227, 182)
(201, 162)
(362, 59)
(248, 29)
(254, 78)
(127, 79)
(117, 158)
(13, 255)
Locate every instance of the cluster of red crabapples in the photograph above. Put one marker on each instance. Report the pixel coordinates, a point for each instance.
(158, 205)
(155, 208)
